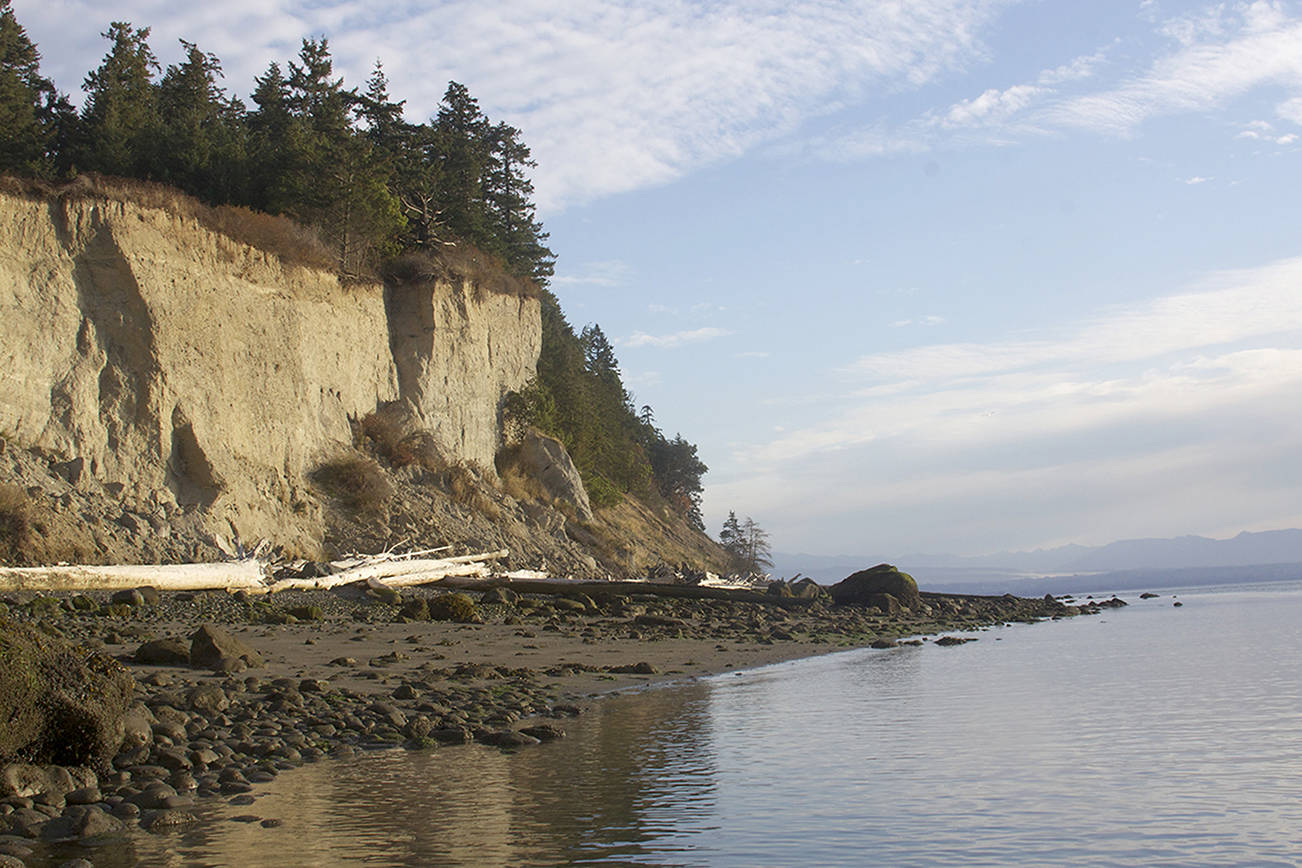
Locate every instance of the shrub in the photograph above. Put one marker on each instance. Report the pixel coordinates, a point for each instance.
(357, 481)
(15, 521)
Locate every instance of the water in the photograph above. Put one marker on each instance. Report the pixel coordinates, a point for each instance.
(1150, 735)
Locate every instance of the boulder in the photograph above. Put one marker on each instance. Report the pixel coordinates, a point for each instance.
(60, 703)
(545, 459)
(865, 588)
(164, 652)
(211, 647)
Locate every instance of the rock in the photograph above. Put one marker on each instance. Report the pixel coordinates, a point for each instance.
(130, 597)
(211, 647)
(862, 588)
(164, 652)
(208, 699)
(807, 589)
(779, 588)
(454, 607)
(642, 668)
(1147, 595)
(544, 731)
(415, 610)
(545, 459)
(504, 596)
(82, 821)
(164, 820)
(59, 703)
(508, 738)
(884, 643)
(946, 641)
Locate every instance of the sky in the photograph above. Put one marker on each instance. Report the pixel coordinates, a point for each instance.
(953, 276)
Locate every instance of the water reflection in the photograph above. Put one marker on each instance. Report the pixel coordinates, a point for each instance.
(1128, 739)
(626, 777)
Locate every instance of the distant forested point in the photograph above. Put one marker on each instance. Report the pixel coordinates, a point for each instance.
(375, 188)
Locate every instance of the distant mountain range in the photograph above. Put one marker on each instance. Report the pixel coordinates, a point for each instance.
(1262, 556)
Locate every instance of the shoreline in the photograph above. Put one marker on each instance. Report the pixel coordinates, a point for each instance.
(343, 671)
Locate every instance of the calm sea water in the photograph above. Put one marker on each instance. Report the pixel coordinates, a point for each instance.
(1151, 735)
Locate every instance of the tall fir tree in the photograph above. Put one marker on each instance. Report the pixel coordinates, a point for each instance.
(202, 132)
(120, 118)
(28, 102)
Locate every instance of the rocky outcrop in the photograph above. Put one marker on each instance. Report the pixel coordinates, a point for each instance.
(879, 586)
(58, 703)
(545, 459)
(190, 374)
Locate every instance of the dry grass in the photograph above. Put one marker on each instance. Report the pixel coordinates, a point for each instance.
(15, 522)
(356, 481)
(463, 486)
(293, 243)
(485, 272)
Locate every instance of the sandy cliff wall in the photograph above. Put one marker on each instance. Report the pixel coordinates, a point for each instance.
(204, 375)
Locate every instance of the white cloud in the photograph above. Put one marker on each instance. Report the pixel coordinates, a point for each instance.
(1131, 422)
(674, 340)
(1218, 60)
(608, 273)
(1182, 355)
(1197, 179)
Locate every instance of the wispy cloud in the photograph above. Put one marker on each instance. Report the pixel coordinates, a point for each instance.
(1214, 57)
(674, 340)
(609, 273)
(1100, 429)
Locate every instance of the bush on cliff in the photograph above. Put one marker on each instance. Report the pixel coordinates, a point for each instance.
(14, 522)
(59, 703)
(356, 481)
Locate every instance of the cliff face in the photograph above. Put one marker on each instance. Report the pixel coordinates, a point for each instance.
(190, 373)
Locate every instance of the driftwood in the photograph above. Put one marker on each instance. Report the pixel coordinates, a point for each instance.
(234, 575)
(396, 573)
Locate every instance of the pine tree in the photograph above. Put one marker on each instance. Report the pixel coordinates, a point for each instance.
(28, 102)
(120, 118)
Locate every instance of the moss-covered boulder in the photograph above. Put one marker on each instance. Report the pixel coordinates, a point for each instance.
(59, 703)
(454, 607)
(865, 588)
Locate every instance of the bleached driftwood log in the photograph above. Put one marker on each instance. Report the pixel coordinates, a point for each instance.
(234, 575)
(399, 573)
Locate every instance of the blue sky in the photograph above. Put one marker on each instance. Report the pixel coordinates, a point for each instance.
(939, 275)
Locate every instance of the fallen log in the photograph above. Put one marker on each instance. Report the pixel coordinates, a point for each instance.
(398, 573)
(246, 574)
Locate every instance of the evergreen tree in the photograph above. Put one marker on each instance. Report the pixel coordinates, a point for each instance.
(201, 132)
(334, 180)
(120, 118)
(507, 196)
(28, 102)
(463, 142)
(275, 137)
(730, 537)
(759, 556)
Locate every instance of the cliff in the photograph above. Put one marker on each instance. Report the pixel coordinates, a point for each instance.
(152, 357)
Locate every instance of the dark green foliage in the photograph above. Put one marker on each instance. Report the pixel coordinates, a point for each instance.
(120, 121)
(28, 102)
(579, 397)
